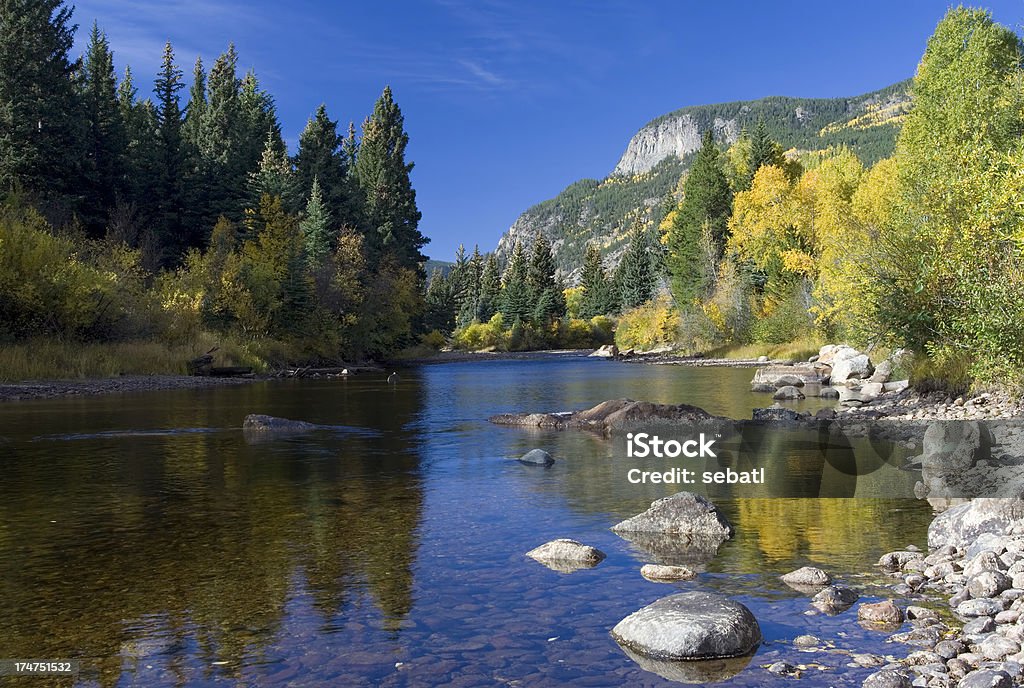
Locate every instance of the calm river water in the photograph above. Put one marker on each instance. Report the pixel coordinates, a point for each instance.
(147, 536)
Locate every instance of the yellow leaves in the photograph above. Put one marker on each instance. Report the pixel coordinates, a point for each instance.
(763, 217)
(798, 262)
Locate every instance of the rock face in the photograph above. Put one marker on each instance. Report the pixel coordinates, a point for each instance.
(962, 524)
(673, 135)
(537, 457)
(566, 555)
(682, 513)
(269, 424)
(689, 626)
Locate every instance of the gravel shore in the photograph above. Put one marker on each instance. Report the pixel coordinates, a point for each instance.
(48, 389)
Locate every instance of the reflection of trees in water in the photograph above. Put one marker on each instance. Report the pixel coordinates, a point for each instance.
(164, 542)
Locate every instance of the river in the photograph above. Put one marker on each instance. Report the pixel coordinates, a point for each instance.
(147, 536)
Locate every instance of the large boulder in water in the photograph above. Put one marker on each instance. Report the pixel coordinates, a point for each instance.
(682, 513)
(537, 457)
(700, 672)
(255, 422)
(962, 524)
(689, 626)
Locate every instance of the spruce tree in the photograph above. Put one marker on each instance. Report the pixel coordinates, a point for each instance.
(257, 126)
(316, 227)
(544, 291)
(763, 151)
(490, 289)
(320, 156)
(219, 143)
(469, 304)
(195, 189)
(171, 155)
(516, 303)
(273, 176)
(635, 278)
(389, 201)
(40, 116)
(141, 158)
(707, 202)
(103, 174)
(598, 298)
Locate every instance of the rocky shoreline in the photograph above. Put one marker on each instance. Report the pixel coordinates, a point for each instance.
(50, 389)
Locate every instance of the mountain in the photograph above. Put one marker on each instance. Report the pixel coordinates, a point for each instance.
(661, 151)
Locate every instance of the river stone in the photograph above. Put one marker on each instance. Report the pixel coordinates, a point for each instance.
(882, 372)
(566, 555)
(981, 562)
(897, 561)
(807, 576)
(255, 422)
(996, 647)
(982, 607)
(986, 678)
(684, 513)
(834, 599)
(701, 673)
(788, 381)
(888, 678)
(979, 626)
(988, 584)
(788, 392)
(660, 574)
(885, 612)
(828, 393)
(690, 625)
(962, 524)
(537, 457)
(762, 387)
(857, 367)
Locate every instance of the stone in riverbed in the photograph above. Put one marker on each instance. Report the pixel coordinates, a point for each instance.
(789, 381)
(897, 561)
(690, 626)
(828, 393)
(537, 457)
(986, 678)
(787, 393)
(834, 599)
(882, 613)
(996, 647)
(856, 367)
(988, 584)
(962, 524)
(255, 422)
(566, 555)
(683, 513)
(888, 678)
(658, 573)
(806, 576)
(982, 607)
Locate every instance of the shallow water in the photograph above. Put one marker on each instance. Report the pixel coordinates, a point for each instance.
(146, 535)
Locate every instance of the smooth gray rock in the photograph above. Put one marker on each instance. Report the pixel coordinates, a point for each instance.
(979, 626)
(683, 513)
(885, 613)
(986, 678)
(996, 647)
(537, 457)
(828, 393)
(981, 562)
(982, 607)
(988, 584)
(855, 367)
(888, 678)
(255, 422)
(659, 573)
(807, 576)
(690, 625)
(694, 672)
(897, 561)
(789, 381)
(566, 555)
(787, 393)
(834, 599)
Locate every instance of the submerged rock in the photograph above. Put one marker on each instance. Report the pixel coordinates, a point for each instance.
(888, 678)
(683, 513)
(788, 392)
(621, 414)
(537, 457)
(694, 552)
(883, 613)
(693, 672)
(690, 625)
(834, 599)
(566, 555)
(660, 573)
(259, 423)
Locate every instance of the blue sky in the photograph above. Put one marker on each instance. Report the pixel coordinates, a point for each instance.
(509, 101)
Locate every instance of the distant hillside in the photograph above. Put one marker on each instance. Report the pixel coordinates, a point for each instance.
(658, 154)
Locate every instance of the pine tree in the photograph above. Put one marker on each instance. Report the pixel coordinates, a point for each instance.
(192, 126)
(195, 189)
(256, 127)
(141, 163)
(40, 117)
(273, 177)
(389, 201)
(470, 302)
(103, 175)
(219, 143)
(707, 204)
(171, 155)
(763, 151)
(516, 302)
(635, 278)
(490, 289)
(544, 291)
(320, 156)
(316, 227)
(598, 298)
